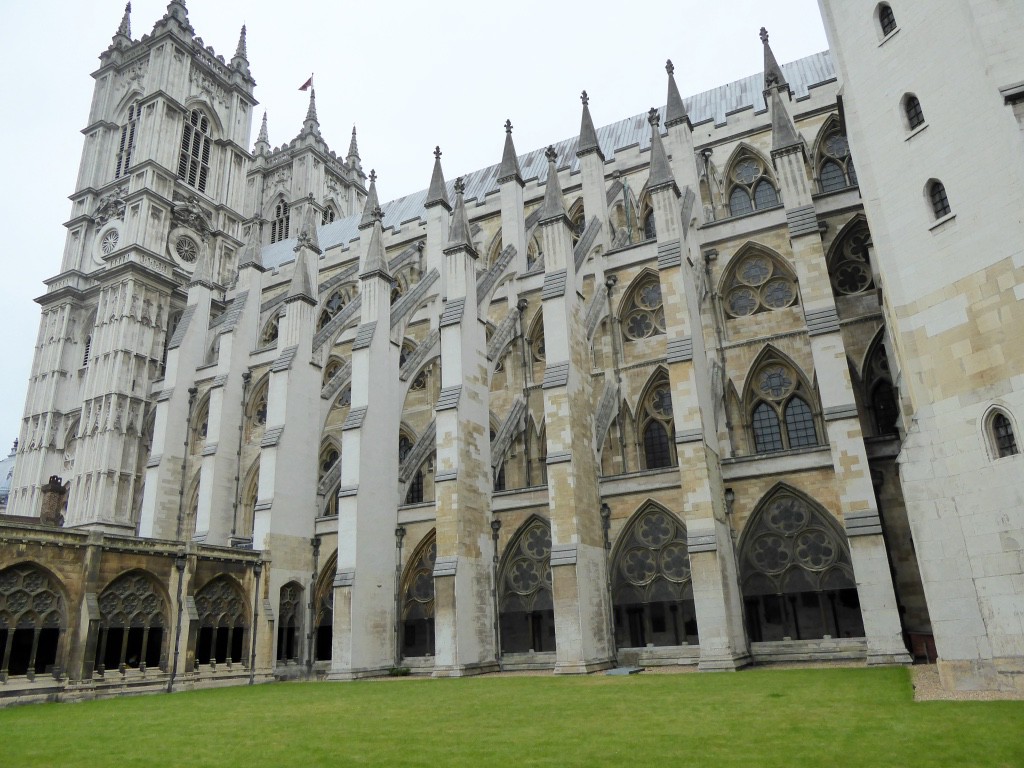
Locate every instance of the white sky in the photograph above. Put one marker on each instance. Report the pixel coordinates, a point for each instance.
(408, 74)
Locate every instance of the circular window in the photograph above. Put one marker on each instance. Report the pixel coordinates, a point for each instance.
(186, 250)
(108, 243)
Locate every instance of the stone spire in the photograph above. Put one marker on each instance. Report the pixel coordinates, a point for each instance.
(375, 262)
(125, 28)
(783, 131)
(308, 237)
(773, 77)
(372, 204)
(675, 111)
(509, 160)
(263, 138)
(240, 50)
(459, 236)
(553, 205)
(311, 124)
(661, 171)
(353, 146)
(588, 136)
(251, 255)
(438, 192)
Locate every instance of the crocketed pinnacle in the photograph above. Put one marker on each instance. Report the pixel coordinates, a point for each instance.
(661, 171)
(375, 262)
(372, 204)
(675, 111)
(459, 235)
(773, 77)
(308, 237)
(588, 136)
(311, 124)
(300, 287)
(240, 52)
(251, 256)
(438, 192)
(125, 28)
(553, 206)
(263, 137)
(509, 168)
(353, 146)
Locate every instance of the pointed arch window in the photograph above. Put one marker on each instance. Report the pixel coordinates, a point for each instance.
(796, 573)
(280, 225)
(33, 619)
(270, 331)
(247, 515)
(526, 608)
(336, 302)
(223, 623)
(126, 143)
(912, 111)
(1002, 436)
(751, 186)
(758, 283)
(651, 590)
(781, 417)
(418, 600)
(643, 313)
(879, 391)
(194, 158)
(289, 623)
(848, 265)
(656, 426)
(835, 165)
(133, 619)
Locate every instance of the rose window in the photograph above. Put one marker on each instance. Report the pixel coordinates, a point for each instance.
(775, 381)
(759, 285)
(109, 242)
(187, 250)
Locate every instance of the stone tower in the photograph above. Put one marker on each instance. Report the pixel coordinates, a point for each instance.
(159, 192)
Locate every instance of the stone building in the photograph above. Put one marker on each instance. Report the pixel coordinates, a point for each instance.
(628, 399)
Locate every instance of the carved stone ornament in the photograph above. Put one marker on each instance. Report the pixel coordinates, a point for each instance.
(111, 206)
(189, 213)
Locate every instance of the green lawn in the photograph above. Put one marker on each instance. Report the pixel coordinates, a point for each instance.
(758, 718)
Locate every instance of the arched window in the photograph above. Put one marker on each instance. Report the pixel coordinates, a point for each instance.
(938, 199)
(33, 618)
(651, 591)
(405, 444)
(331, 370)
(256, 411)
(796, 573)
(328, 216)
(418, 600)
(126, 145)
(280, 225)
(879, 391)
(329, 477)
(414, 495)
(780, 415)
(526, 609)
(323, 611)
(223, 623)
(200, 425)
(751, 186)
(577, 221)
(912, 111)
(334, 304)
(1004, 442)
(656, 427)
(289, 623)
(194, 158)
(133, 620)
(835, 166)
(269, 336)
(247, 513)
(758, 283)
(848, 265)
(886, 19)
(643, 314)
(533, 254)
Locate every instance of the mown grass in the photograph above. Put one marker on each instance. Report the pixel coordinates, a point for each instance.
(759, 718)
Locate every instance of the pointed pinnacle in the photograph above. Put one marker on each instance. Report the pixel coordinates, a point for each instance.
(263, 136)
(372, 204)
(588, 136)
(661, 171)
(125, 28)
(240, 52)
(675, 111)
(437, 194)
(308, 237)
(375, 262)
(301, 287)
(251, 255)
(509, 168)
(553, 205)
(459, 235)
(311, 112)
(353, 147)
(669, 67)
(773, 76)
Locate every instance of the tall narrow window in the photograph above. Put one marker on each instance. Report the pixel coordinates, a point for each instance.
(86, 351)
(1002, 434)
(126, 146)
(327, 217)
(194, 159)
(800, 424)
(767, 433)
(279, 226)
(913, 111)
(650, 227)
(886, 18)
(940, 203)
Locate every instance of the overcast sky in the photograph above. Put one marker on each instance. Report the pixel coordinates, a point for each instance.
(408, 75)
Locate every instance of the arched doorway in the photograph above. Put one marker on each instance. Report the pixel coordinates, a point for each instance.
(525, 604)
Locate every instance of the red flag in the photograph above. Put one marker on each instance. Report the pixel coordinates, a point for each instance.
(307, 85)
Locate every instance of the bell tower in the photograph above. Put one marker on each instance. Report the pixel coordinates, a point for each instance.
(160, 189)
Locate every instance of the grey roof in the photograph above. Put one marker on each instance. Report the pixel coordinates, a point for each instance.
(714, 105)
